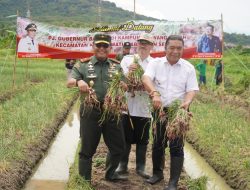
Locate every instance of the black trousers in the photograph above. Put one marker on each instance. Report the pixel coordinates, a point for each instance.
(136, 129)
(90, 131)
(160, 142)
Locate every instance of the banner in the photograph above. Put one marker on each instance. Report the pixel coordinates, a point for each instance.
(202, 39)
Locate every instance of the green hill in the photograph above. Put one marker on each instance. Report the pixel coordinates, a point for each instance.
(77, 13)
(237, 39)
(67, 13)
(70, 13)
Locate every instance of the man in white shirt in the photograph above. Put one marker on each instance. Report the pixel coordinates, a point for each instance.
(28, 44)
(136, 122)
(167, 79)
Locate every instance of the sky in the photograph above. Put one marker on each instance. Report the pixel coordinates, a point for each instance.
(235, 13)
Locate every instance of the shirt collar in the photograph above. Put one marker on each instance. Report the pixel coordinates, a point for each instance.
(178, 63)
(29, 37)
(145, 60)
(95, 61)
(148, 58)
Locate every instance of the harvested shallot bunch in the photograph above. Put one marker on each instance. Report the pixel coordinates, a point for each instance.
(90, 101)
(134, 77)
(115, 101)
(178, 121)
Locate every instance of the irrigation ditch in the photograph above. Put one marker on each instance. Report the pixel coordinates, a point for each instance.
(22, 170)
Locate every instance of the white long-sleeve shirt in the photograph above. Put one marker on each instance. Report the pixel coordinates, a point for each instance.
(139, 104)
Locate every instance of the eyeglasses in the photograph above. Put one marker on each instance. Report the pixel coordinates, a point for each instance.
(32, 30)
(102, 45)
(144, 42)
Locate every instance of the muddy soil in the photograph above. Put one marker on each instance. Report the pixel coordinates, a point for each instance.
(134, 182)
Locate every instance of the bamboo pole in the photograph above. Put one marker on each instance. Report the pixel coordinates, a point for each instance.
(14, 72)
(27, 69)
(14, 65)
(27, 63)
(222, 46)
(134, 9)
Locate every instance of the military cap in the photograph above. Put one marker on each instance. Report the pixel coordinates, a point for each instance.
(127, 45)
(102, 38)
(31, 26)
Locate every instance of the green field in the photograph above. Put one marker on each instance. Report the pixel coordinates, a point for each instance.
(38, 96)
(220, 130)
(221, 120)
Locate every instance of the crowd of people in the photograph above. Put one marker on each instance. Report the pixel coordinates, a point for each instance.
(165, 80)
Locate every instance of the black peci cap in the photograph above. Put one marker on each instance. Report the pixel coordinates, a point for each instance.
(127, 45)
(31, 26)
(102, 38)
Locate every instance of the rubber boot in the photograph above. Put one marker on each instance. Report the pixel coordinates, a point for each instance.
(123, 165)
(175, 172)
(158, 166)
(112, 163)
(141, 160)
(85, 167)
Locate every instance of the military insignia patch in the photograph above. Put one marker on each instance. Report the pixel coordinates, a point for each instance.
(77, 65)
(115, 61)
(84, 60)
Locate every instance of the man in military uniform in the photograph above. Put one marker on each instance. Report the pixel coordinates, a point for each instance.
(125, 51)
(28, 43)
(91, 129)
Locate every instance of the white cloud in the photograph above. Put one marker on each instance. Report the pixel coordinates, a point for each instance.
(236, 14)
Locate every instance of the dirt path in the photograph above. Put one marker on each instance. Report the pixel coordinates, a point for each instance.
(135, 182)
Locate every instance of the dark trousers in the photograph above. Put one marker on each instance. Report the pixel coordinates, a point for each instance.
(202, 79)
(136, 129)
(160, 142)
(218, 79)
(90, 131)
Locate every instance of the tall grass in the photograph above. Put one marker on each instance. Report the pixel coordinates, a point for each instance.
(223, 134)
(25, 115)
(38, 70)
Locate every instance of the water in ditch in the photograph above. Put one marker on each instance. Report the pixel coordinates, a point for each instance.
(196, 166)
(53, 171)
